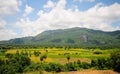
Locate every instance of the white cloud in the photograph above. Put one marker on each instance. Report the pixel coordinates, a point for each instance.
(2, 24)
(9, 7)
(85, 0)
(49, 4)
(99, 17)
(28, 10)
(30, 27)
(5, 33)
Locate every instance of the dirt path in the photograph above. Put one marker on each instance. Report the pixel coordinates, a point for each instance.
(92, 72)
(78, 72)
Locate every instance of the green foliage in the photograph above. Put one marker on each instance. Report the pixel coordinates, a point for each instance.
(37, 53)
(15, 64)
(43, 57)
(8, 55)
(115, 58)
(72, 37)
(17, 52)
(102, 64)
(93, 63)
(70, 41)
(34, 67)
(85, 65)
(97, 52)
(78, 62)
(68, 58)
(56, 40)
(54, 67)
(20, 62)
(70, 66)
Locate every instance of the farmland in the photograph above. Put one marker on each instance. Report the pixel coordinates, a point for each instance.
(59, 54)
(57, 60)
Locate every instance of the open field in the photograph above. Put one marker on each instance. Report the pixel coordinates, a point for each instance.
(59, 55)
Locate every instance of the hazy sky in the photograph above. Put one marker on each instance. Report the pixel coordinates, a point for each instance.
(19, 18)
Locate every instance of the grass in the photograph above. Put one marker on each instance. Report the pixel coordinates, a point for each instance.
(59, 55)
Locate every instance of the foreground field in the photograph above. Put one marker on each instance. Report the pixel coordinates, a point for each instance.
(80, 72)
(60, 61)
(59, 55)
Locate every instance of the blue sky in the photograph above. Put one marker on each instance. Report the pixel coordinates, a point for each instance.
(20, 18)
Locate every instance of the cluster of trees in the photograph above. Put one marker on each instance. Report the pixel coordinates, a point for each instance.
(14, 64)
(56, 67)
(37, 53)
(111, 63)
(43, 57)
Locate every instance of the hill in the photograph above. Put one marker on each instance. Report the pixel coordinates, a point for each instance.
(79, 37)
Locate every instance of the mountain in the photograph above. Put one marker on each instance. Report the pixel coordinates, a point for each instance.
(70, 37)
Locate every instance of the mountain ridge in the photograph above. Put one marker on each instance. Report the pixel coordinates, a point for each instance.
(70, 37)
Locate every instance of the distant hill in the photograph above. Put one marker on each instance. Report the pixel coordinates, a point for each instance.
(80, 37)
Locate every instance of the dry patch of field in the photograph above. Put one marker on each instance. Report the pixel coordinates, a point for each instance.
(37, 59)
(64, 60)
(79, 72)
(58, 60)
(91, 72)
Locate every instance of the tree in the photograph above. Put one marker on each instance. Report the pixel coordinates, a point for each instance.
(15, 64)
(44, 56)
(93, 63)
(78, 62)
(37, 53)
(41, 58)
(68, 58)
(100, 63)
(85, 65)
(8, 55)
(17, 52)
(70, 66)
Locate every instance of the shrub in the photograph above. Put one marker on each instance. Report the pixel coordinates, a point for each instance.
(115, 58)
(85, 65)
(53, 67)
(70, 66)
(93, 63)
(97, 52)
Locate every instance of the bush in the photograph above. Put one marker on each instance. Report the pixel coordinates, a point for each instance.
(70, 66)
(93, 63)
(85, 65)
(115, 58)
(15, 64)
(53, 67)
(37, 53)
(97, 52)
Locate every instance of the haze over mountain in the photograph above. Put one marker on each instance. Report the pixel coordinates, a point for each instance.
(72, 36)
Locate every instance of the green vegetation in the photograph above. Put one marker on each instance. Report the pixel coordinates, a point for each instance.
(115, 59)
(25, 60)
(14, 64)
(73, 37)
